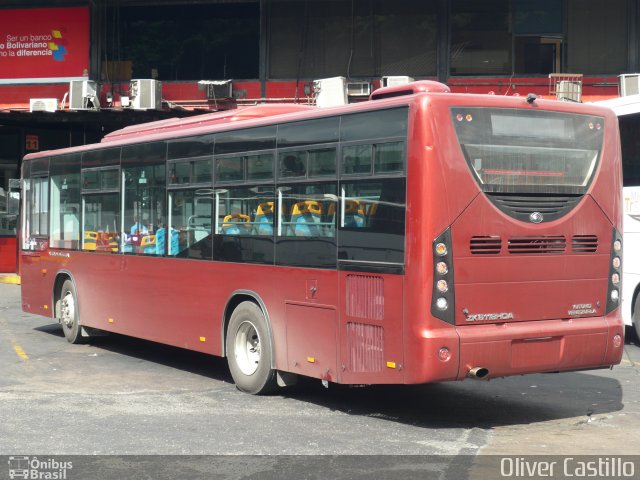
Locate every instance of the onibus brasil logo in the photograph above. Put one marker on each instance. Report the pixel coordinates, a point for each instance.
(34, 468)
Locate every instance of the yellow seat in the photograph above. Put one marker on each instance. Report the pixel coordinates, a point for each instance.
(90, 240)
(233, 224)
(148, 240)
(353, 207)
(265, 208)
(306, 206)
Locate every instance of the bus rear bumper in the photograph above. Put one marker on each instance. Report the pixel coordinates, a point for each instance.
(541, 346)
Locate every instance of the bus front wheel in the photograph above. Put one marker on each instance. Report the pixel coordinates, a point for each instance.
(249, 351)
(69, 315)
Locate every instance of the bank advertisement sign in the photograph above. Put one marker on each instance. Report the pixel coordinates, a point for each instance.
(41, 45)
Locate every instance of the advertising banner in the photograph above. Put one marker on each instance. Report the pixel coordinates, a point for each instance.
(43, 45)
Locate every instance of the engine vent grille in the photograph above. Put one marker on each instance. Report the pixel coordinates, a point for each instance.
(584, 243)
(485, 245)
(520, 207)
(366, 347)
(537, 245)
(365, 297)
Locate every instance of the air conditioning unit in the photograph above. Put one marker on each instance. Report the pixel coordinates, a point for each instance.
(629, 84)
(358, 89)
(217, 89)
(43, 104)
(330, 92)
(569, 91)
(393, 80)
(146, 94)
(83, 95)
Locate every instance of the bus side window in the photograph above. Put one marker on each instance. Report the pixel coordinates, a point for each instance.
(373, 223)
(306, 224)
(190, 215)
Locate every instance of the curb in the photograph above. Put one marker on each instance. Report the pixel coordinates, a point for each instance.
(10, 279)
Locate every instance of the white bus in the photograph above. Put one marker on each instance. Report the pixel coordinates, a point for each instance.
(628, 111)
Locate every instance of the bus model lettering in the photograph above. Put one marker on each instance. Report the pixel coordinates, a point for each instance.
(479, 317)
(329, 243)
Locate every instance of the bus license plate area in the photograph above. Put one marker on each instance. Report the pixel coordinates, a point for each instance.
(538, 352)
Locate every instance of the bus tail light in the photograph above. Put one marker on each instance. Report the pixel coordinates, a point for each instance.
(442, 297)
(617, 341)
(444, 355)
(615, 272)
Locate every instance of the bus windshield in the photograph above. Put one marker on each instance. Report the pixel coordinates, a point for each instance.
(514, 151)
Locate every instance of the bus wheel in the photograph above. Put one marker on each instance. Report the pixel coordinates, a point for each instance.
(636, 316)
(249, 350)
(69, 318)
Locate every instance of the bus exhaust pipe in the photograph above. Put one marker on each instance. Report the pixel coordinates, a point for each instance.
(478, 373)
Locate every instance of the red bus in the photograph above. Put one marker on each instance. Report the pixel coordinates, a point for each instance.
(417, 237)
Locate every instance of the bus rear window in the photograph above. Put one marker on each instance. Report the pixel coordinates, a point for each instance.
(524, 151)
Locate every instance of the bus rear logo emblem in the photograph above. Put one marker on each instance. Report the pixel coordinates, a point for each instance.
(536, 217)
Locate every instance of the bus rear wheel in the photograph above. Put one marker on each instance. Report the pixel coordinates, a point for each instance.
(636, 317)
(69, 315)
(249, 350)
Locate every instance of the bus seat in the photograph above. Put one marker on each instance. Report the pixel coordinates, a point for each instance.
(106, 242)
(148, 244)
(233, 224)
(161, 238)
(305, 216)
(372, 208)
(264, 218)
(90, 240)
(175, 241)
(353, 214)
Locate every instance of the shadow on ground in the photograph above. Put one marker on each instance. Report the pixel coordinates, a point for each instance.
(468, 404)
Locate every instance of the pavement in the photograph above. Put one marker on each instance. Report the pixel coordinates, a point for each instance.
(123, 396)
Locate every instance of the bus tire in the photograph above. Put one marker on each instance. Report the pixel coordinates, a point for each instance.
(69, 315)
(636, 317)
(249, 351)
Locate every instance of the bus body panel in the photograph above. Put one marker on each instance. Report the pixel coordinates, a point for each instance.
(544, 346)
(532, 272)
(140, 297)
(37, 298)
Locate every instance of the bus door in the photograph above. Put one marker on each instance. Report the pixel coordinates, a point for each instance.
(34, 244)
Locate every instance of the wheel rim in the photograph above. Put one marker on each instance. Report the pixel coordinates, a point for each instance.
(247, 348)
(68, 310)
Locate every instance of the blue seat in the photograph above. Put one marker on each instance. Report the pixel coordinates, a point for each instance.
(161, 238)
(306, 217)
(264, 218)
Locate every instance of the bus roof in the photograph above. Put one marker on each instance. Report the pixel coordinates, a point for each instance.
(259, 115)
(622, 105)
(227, 116)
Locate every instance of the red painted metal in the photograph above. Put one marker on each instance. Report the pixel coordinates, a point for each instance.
(8, 255)
(191, 96)
(377, 328)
